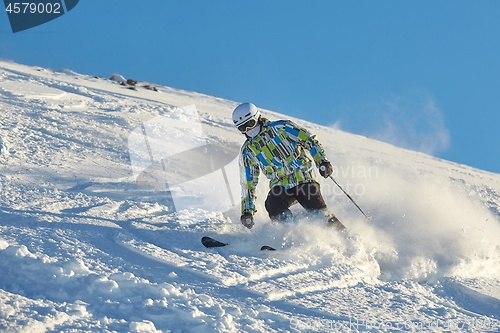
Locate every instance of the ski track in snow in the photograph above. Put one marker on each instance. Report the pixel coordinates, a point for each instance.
(84, 248)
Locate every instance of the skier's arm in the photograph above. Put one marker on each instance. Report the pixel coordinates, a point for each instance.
(307, 140)
(249, 179)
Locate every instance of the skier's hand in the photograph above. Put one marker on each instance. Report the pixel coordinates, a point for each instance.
(325, 169)
(247, 220)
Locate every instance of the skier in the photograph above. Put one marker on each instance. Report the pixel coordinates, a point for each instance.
(278, 149)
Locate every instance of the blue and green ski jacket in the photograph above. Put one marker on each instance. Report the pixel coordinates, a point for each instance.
(280, 151)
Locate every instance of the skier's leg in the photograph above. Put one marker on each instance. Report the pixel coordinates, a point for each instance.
(278, 202)
(310, 197)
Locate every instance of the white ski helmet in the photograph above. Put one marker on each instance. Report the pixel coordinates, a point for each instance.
(246, 115)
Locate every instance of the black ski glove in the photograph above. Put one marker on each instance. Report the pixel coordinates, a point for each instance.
(325, 169)
(247, 220)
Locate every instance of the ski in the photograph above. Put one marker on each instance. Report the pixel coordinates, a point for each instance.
(210, 242)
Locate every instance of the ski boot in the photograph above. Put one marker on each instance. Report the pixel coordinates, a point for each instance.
(334, 222)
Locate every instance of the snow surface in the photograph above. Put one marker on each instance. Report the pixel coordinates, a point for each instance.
(90, 240)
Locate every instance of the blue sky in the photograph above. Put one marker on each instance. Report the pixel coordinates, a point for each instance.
(421, 74)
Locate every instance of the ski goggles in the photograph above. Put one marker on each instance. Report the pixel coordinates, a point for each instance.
(249, 124)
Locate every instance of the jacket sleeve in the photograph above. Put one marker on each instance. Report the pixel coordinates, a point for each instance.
(307, 140)
(249, 177)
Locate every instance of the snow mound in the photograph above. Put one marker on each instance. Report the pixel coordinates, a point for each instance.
(99, 230)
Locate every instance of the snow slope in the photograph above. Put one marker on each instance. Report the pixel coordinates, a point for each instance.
(91, 240)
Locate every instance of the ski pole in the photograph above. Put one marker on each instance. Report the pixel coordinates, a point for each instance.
(367, 217)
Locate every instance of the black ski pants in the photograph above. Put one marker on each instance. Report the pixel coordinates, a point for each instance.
(279, 200)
